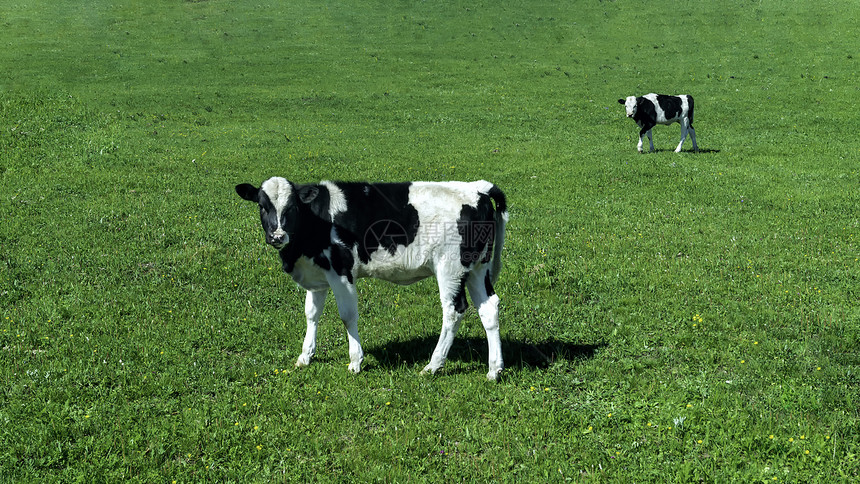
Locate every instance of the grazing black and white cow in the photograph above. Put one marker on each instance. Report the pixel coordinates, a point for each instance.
(333, 233)
(653, 109)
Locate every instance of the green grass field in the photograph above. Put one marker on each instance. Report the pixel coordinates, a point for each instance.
(665, 317)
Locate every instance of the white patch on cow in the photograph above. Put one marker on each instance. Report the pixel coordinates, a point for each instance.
(309, 275)
(661, 115)
(482, 186)
(630, 106)
(337, 200)
(438, 205)
(407, 265)
(444, 199)
(279, 192)
(685, 106)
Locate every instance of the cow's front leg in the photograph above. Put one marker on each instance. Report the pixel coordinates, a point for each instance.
(314, 304)
(645, 131)
(347, 306)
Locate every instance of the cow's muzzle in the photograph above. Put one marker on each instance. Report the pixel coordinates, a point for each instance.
(277, 239)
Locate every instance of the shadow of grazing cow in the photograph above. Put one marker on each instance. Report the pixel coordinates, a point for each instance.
(517, 353)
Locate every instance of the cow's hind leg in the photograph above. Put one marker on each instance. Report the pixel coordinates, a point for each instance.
(683, 135)
(693, 137)
(453, 297)
(486, 301)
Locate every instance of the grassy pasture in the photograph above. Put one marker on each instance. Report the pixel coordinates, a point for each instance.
(666, 317)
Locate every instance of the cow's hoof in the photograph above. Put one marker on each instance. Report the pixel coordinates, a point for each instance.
(494, 375)
(428, 370)
(303, 361)
(354, 368)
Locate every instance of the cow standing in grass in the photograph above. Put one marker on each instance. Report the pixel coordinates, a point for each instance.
(332, 233)
(653, 109)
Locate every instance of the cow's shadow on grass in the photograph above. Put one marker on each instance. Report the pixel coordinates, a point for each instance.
(516, 354)
(685, 150)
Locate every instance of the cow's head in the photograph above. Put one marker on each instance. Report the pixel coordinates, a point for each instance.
(279, 207)
(629, 105)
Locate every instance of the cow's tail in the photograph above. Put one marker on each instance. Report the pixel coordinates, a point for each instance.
(501, 218)
(690, 107)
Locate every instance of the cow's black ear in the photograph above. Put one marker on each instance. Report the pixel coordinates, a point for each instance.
(248, 192)
(307, 194)
(621, 101)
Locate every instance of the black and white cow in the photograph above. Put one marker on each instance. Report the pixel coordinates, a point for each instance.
(653, 109)
(331, 234)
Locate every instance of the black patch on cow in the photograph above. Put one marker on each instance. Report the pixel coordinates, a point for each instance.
(322, 262)
(671, 105)
(378, 217)
(460, 302)
(308, 193)
(488, 284)
(477, 229)
(316, 198)
(305, 222)
(646, 115)
(342, 262)
(385, 235)
(269, 216)
(307, 243)
(498, 196)
(248, 192)
(289, 255)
